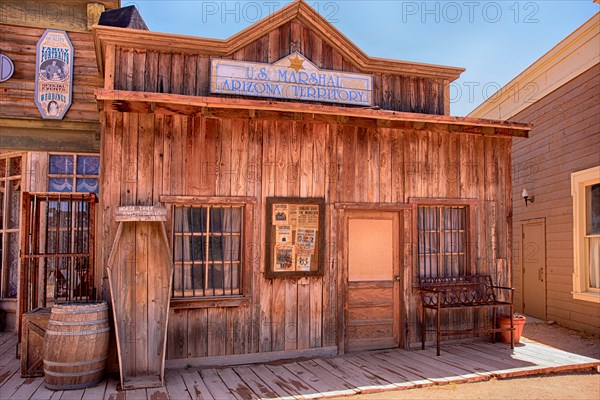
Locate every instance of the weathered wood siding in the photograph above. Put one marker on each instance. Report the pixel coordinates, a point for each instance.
(564, 139)
(149, 155)
(188, 74)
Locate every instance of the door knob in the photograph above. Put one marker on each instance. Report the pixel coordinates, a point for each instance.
(397, 278)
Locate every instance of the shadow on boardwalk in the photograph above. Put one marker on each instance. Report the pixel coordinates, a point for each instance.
(366, 372)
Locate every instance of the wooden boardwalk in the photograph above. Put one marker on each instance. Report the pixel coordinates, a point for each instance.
(365, 372)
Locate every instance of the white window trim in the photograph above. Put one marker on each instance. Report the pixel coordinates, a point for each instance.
(579, 181)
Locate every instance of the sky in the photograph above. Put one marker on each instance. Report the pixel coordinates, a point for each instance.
(493, 40)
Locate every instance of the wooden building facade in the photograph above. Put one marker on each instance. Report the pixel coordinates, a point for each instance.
(398, 190)
(37, 154)
(556, 253)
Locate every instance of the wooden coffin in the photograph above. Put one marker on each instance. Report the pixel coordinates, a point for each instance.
(139, 273)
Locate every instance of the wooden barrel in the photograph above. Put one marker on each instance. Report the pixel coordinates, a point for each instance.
(76, 346)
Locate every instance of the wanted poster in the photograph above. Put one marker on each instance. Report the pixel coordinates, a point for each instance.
(303, 262)
(285, 258)
(293, 215)
(283, 234)
(305, 240)
(280, 214)
(308, 216)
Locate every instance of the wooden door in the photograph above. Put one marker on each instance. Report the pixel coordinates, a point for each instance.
(373, 280)
(534, 268)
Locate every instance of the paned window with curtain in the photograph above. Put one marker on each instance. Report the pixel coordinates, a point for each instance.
(585, 189)
(442, 241)
(207, 250)
(73, 173)
(592, 234)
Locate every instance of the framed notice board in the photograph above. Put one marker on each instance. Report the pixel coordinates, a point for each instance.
(295, 237)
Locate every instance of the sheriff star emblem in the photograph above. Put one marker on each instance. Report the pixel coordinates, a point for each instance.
(296, 63)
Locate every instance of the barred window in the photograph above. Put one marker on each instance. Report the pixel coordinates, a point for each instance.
(442, 241)
(207, 250)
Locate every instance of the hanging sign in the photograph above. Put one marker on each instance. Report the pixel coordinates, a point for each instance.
(292, 77)
(7, 68)
(54, 78)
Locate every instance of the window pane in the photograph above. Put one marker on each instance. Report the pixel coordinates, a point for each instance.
(61, 164)
(453, 242)
(225, 220)
(224, 278)
(60, 185)
(594, 258)
(190, 219)
(88, 165)
(13, 265)
(215, 252)
(15, 166)
(231, 248)
(87, 185)
(182, 248)
(196, 218)
(199, 248)
(592, 197)
(14, 203)
(3, 162)
(2, 189)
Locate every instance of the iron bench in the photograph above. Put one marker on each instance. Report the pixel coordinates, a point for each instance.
(459, 293)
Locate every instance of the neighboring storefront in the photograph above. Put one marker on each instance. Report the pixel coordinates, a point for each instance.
(49, 127)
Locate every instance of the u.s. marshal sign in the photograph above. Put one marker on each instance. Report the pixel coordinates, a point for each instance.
(54, 77)
(292, 77)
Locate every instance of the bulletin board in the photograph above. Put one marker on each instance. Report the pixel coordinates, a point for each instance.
(295, 236)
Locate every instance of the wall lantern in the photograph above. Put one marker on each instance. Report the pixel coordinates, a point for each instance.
(527, 197)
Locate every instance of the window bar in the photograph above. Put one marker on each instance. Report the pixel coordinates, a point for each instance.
(466, 240)
(222, 248)
(46, 245)
(240, 258)
(452, 241)
(182, 236)
(71, 249)
(174, 240)
(88, 250)
(429, 235)
(31, 263)
(426, 250)
(203, 249)
(69, 244)
(183, 255)
(436, 233)
(84, 231)
(57, 230)
(209, 265)
(192, 250)
(421, 247)
(443, 243)
(230, 250)
(79, 260)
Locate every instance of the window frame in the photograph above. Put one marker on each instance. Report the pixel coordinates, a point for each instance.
(4, 267)
(247, 252)
(470, 205)
(74, 176)
(580, 180)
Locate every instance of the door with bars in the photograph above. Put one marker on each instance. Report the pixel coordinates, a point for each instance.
(57, 263)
